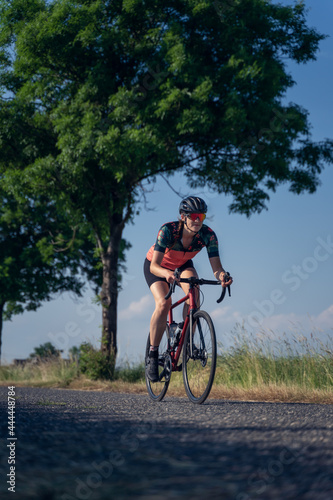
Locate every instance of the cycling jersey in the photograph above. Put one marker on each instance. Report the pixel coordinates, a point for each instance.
(170, 243)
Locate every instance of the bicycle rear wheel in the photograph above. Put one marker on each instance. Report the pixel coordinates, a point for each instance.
(157, 390)
(199, 370)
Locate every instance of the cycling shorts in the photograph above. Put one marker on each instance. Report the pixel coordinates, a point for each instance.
(152, 278)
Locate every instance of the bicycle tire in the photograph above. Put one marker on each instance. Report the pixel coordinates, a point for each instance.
(199, 371)
(157, 390)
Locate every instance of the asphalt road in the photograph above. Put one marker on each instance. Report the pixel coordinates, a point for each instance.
(98, 445)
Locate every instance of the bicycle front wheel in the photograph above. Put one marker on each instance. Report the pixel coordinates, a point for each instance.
(157, 390)
(199, 367)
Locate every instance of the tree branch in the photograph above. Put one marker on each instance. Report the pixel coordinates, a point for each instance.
(171, 187)
(70, 244)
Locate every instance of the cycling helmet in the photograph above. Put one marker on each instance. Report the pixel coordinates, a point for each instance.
(192, 204)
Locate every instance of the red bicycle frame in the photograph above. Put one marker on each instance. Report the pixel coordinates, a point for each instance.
(193, 282)
(175, 354)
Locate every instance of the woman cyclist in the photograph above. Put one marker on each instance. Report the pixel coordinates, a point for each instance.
(177, 243)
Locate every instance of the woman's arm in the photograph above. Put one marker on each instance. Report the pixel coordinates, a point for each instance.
(158, 270)
(218, 271)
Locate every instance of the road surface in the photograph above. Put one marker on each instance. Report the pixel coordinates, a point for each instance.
(103, 446)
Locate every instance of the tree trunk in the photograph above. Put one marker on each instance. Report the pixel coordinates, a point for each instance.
(2, 306)
(109, 293)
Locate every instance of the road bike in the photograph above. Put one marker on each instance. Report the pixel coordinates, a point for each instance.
(195, 338)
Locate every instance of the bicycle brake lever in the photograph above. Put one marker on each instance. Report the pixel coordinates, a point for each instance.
(224, 290)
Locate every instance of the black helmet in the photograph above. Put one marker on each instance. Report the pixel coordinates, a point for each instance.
(192, 204)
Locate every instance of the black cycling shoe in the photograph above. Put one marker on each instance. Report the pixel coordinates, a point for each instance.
(152, 366)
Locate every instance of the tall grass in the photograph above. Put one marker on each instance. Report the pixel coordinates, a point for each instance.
(258, 362)
(44, 373)
(270, 360)
(63, 372)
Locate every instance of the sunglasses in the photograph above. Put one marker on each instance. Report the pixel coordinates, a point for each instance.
(194, 217)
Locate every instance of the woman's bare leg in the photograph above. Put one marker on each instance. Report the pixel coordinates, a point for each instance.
(158, 320)
(187, 273)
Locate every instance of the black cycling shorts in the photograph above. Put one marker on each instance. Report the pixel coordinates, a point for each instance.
(152, 278)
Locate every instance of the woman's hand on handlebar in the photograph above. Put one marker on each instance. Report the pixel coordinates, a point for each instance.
(226, 279)
(171, 277)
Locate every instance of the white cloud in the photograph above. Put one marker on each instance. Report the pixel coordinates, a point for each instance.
(289, 322)
(226, 318)
(325, 318)
(138, 308)
(220, 312)
(292, 322)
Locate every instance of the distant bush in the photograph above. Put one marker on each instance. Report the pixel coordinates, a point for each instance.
(45, 352)
(94, 364)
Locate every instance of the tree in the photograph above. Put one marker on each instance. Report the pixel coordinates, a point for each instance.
(45, 352)
(121, 91)
(41, 255)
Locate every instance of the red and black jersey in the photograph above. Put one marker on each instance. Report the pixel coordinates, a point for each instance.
(169, 242)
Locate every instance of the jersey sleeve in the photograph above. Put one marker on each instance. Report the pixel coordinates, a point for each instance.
(164, 239)
(212, 243)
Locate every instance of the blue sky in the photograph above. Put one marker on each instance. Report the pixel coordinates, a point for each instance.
(281, 259)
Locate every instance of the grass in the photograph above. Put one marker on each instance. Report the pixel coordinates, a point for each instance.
(263, 368)
(271, 368)
(270, 361)
(42, 374)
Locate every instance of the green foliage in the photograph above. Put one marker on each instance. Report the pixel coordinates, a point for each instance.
(98, 97)
(45, 351)
(41, 253)
(94, 363)
(159, 85)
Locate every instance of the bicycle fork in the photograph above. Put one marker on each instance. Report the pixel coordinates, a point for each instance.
(194, 325)
(191, 333)
(199, 349)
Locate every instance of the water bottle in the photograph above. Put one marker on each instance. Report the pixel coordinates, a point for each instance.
(175, 331)
(172, 331)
